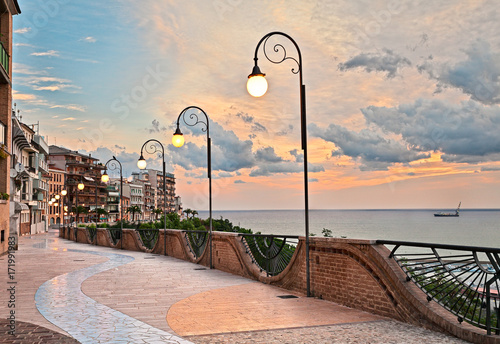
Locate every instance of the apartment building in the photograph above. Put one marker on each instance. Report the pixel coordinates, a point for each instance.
(56, 210)
(80, 169)
(29, 178)
(8, 8)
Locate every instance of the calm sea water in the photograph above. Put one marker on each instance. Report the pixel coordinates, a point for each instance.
(473, 227)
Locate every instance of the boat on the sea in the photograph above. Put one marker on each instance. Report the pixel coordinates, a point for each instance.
(455, 214)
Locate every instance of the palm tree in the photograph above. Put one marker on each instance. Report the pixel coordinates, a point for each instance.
(194, 213)
(157, 212)
(188, 212)
(134, 209)
(79, 210)
(100, 211)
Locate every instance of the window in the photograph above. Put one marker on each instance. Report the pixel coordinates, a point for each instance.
(3, 131)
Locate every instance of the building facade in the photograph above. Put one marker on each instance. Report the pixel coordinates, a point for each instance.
(29, 178)
(56, 210)
(8, 8)
(80, 169)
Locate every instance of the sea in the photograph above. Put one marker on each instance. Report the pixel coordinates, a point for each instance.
(474, 227)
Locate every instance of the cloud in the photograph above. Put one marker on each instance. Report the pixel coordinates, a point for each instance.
(239, 181)
(156, 127)
(375, 151)
(128, 160)
(286, 131)
(88, 39)
(477, 76)
(23, 30)
(45, 82)
(490, 168)
(387, 62)
(73, 107)
(284, 167)
(467, 132)
(54, 53)
(256, 126)
(68, 119)
(299, 157)
(24, 45)
(267, 154)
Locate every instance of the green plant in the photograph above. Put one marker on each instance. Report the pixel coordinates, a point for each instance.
(3, 153)
(5, 196)
(327, 233)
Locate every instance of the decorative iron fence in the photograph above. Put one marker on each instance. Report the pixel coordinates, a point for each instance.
(115, 234)
(92, 233)
(271, 253)
(196, 241)
(463, 279)
(149, 237)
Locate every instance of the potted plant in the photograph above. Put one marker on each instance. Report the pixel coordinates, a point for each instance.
(4, 197)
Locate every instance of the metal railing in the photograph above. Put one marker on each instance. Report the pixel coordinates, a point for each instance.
(463, 279)
(271, 253)
(115, 234)
(149, 237)
(92, 233)
(196, 241)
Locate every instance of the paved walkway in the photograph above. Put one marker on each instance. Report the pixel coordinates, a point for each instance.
(67, 293)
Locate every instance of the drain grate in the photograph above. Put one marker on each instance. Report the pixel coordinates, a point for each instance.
(288, 297)
(78, 260)
(149, 257)
(200, 268)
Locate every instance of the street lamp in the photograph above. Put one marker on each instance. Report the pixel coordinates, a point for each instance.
(178, 141)
(141, 163)
(63, 193)
(257, 86)
(80, 187)
(105, 178)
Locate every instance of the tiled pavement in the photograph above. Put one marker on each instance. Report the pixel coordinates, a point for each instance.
(101, 295)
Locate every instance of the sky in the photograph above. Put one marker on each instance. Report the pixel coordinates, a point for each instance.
(402, 97)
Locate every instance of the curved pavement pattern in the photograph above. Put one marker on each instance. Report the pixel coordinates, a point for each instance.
(61, 301)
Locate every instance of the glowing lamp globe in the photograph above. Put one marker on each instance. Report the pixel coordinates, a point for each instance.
(64, 192)
(105, 178)
(257, 85)
(178, 138)
(81, 186)
(141, 163)
(52, 199)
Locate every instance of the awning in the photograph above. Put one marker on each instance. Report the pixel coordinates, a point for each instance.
(21, 207)
(113, 194)
(89, 179)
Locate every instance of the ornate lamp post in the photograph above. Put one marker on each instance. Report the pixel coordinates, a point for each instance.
(141, 163)
(63, 193)
(80, 186)
(178, 141)
(257, 87)
(58, 205)
(105, 178)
